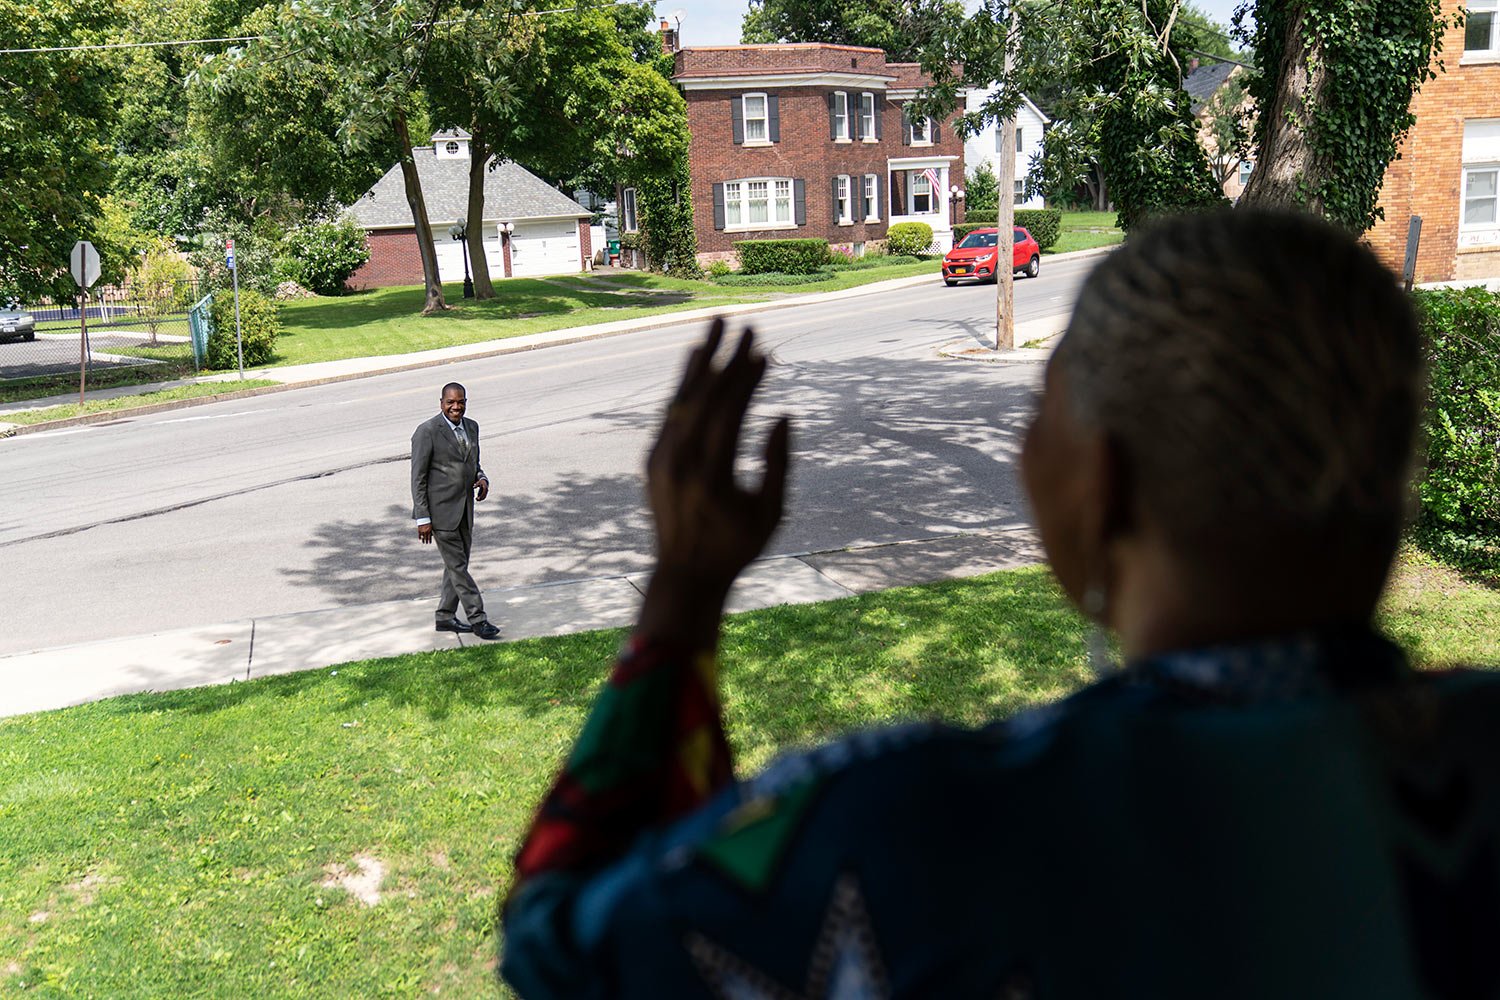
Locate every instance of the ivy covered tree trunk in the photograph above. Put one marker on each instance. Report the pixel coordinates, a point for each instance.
(1335, 87)
(479, 264)
(1287, 161)
(434, 299)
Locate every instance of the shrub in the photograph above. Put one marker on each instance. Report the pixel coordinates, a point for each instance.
(866, 263)
(719, 268)
(909, 238)
(254, 250)
(1460, 492)
(781, 256)
(981, 191)
(327, 254)
(979, 217)
(773, 278)
(1044, 225)
(260, 325)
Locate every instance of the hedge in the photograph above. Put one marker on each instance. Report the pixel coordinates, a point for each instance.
(1044, 224)
(908, 238)
(865, 263)
(1460, 492)
(260, 325)
(783, 256)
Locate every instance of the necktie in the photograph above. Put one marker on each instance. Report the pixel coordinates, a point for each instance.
(463, 438)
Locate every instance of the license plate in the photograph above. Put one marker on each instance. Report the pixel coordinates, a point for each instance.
(960, 270)
(7, 329)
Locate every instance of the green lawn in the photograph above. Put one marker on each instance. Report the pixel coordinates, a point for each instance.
(1086, 230)
(388, 321)
(129, 402)
(179, 844)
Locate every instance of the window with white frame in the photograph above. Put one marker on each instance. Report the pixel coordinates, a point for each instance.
(1247, 167)
(755, 119)
(1020, 139)
(1479, 209)
(1481, 212)
(840, 115)
(1482, 28)
(627, 210)
(758, 202)
(867, 116)
(1020, 190)
(921, 194)
(841, 198)
(921, 131)
(872, 207)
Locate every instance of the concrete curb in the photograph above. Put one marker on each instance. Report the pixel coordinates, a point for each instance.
(488, 349)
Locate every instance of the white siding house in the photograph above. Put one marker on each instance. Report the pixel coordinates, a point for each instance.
(985, 147)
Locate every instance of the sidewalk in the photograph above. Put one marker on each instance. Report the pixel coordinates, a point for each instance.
(280, 644)
(323, 372)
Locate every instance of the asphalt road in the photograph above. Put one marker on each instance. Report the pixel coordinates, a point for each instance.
(299, 500)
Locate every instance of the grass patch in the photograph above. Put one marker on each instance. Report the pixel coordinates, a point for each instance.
(1087, 230)
(187, 843)
(21, 390)
(195, 391)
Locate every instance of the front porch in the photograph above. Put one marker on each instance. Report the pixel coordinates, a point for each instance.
(921, 190)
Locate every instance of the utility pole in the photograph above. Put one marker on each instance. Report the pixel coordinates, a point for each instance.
(1005, 216)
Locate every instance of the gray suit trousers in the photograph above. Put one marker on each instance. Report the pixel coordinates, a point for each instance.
(457, 583)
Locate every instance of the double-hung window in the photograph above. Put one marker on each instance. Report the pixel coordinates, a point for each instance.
(756, 129)
(1479, 211)
(921, 194)
(841, 199)
(872, 209)
(1482, 29)
(840, 115)
(921, 131)
(867, 116)
(1247, 167)
(758, 202)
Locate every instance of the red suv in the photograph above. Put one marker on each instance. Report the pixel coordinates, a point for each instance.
(974, 258)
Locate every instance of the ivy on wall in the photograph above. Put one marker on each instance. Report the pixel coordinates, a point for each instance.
(666, 218)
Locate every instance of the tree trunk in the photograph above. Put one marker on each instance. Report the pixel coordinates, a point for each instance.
(479, 264)
(1101, 190)
(1287, 175)
(435, 301)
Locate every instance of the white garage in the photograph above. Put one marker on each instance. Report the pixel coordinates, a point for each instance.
(545, 224)
(538, 248)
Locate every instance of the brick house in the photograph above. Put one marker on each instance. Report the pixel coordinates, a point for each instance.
(548, 231)
(810, 140)
(1449, 168)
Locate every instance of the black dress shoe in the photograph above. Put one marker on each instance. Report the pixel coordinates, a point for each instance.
(453, 625)
(484, 630)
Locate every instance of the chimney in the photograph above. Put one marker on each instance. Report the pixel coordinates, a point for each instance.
(668, 38)
(1192, 63)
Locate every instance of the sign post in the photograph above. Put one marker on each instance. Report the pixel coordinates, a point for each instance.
(239, 343)
(1413, 240)
(83, 263)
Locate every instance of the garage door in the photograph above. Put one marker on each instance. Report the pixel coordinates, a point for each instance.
(450, 256)
(544, 248)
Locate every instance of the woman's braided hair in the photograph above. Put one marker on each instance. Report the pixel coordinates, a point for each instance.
(1253, 366)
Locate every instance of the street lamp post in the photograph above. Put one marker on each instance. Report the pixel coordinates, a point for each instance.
(460, 233)
(505, 231)
(955, 195)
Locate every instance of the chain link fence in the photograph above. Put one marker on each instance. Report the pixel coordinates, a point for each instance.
(135, 334)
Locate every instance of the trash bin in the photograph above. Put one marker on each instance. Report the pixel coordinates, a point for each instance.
(613, 247)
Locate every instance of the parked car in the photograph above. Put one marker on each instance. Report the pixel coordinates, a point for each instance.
(974, 258)
(17, 324)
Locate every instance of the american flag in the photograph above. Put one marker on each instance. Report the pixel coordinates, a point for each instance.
(932, 177)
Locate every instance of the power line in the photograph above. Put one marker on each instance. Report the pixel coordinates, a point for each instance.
(110, 46)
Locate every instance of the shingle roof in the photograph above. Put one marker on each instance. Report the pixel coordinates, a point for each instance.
(1203, 82)
(511, 193)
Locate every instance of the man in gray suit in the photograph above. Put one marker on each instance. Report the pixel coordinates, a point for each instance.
(446, 480)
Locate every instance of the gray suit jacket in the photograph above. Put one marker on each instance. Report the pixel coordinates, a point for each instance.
(442, 476)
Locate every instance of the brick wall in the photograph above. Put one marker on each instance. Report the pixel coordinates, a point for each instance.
(1427, 180)
(394, 260)
(585, 245)
(806, 152)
